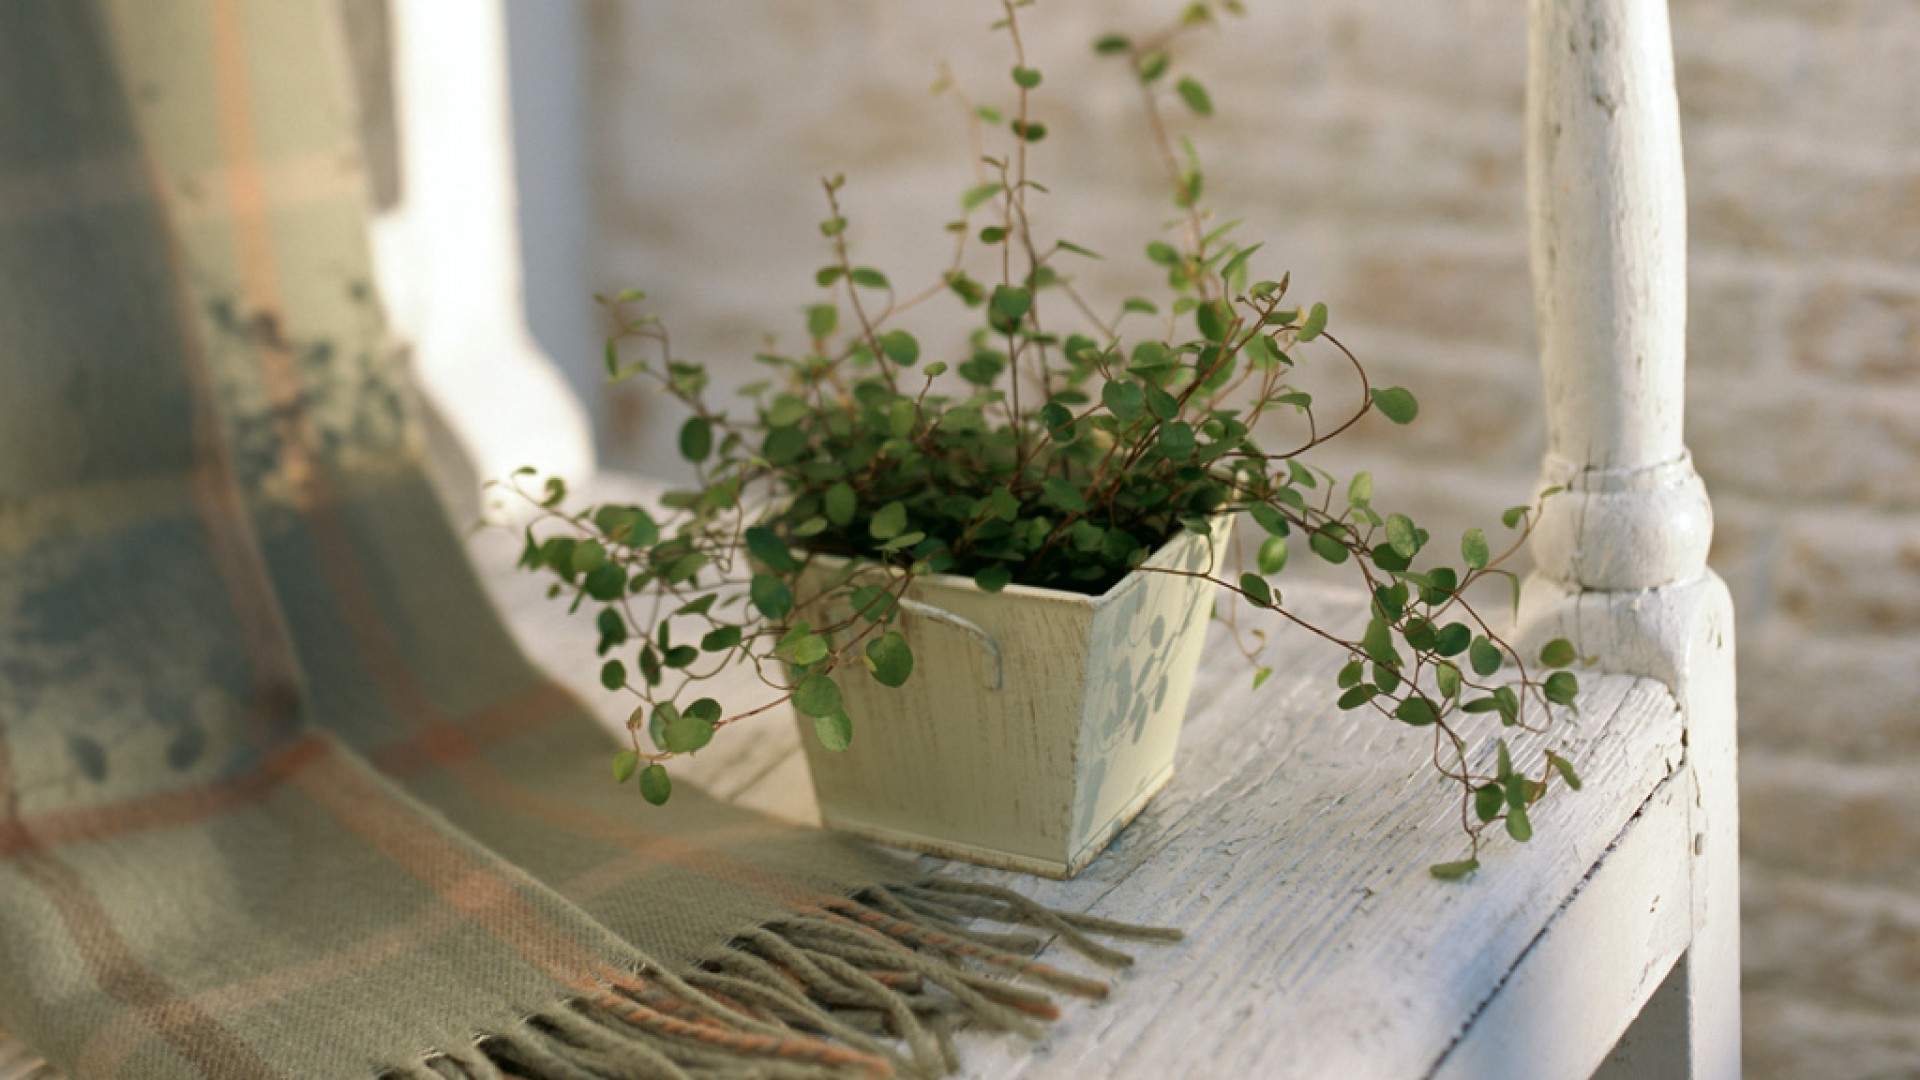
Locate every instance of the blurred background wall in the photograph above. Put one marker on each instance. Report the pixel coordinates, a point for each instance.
(1377, 149)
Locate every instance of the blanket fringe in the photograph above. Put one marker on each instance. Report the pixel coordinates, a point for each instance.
(871, 986)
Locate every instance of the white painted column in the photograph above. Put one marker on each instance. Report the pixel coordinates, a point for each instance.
(1607, 202)
(449, 256)
(1621, 553)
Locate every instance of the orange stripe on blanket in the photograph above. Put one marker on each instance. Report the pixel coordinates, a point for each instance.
(163, 810)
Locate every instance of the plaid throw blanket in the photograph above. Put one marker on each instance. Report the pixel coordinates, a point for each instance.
(278, 796)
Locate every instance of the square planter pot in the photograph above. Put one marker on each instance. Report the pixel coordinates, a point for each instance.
(1036, 723)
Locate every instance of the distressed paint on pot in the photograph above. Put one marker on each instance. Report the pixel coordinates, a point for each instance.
(1036, 723)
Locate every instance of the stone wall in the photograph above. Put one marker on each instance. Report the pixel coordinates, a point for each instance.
(1377, 149)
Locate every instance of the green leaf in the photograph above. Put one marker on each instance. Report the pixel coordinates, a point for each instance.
(1488, 801)
(787, 410)
(834, 730)
(809, 650)
(1325, 543)
(721, 639)
(629, 525)
(1164, 254)
(890, 522)
(974, 197)
(827, 275)
(1111, 44)
(1565, 769)
(994, 578)
(1402, 535)
(1485, 657)
(1561, 687)
(1315, 322)
(1257, 589)
(1261, 675)
(872, 602)
(1195, 96)
(684, 567)
(688, 733)
(1503, 760)
(1473, 548)
(1377, 643)
(821, 320)
(1162, 405)
(817, 695)
(612, 627)
(1027, 78)
(1518, 825)
(1396, 403)
(902, 417)
(624, 764)
(1064, 495)
(1234, 273)
(1176, 440)
(606, 582)
(1508, 704)
(1028, 130)
(1416, 712)
(1356, 697)
(868, 277)
(587, 555)
(1351, 674)
(1360, 489)
(1558, 653)
(1272, 557)
(840, 503)
(1010, 302)
(1447, 678)
(655, 785)
(890, 659)
(1124, 400)
(900, 347)
(1454, 871)
(1270, 519)
(699, 605)
(770, 596)
(1512, 516)
(1213, 319)
(696, 439)
(765, 545)
(613, 674)
(1153, 65)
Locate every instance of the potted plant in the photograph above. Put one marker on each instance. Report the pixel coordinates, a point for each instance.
(981, 575)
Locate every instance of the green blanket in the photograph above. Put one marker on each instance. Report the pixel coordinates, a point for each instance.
(278, 795)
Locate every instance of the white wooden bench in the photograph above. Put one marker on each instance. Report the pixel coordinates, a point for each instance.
(1293, 841)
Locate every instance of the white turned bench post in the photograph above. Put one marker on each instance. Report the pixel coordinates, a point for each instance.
(449, 260)
(1609, 245)
(1621, 552)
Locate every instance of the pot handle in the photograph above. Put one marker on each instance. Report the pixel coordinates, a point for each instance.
(972, 630)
